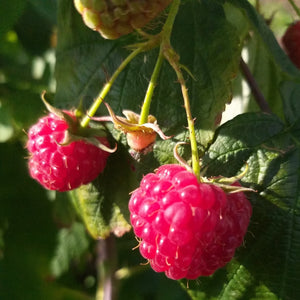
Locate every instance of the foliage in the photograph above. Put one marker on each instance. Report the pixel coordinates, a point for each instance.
(48, 242)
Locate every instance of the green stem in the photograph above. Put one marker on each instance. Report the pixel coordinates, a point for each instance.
(173, 59)
(168, 26)
(93, 109)
(165, 36)
(148, 97)
(295, 7)
(192, 133)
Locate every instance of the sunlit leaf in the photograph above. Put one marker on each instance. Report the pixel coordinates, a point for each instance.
(85, 60)
(267, 265)
(102, 204)
(72, 243)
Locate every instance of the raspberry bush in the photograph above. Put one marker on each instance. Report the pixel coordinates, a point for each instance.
(126, 229)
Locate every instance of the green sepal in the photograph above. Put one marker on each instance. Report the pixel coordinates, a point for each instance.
(226, 183)
(230, 189)
(85, 134)
(58, 112)
(131, 123)
(69, 138)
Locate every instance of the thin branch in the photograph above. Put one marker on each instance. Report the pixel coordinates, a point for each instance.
(295, 7)
(107, 285)
(258, 96)
(92, 110)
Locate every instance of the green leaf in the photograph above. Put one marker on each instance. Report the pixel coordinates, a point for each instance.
(266, 60)
(3, 228)
(291, 94)
(236, 17)
(6, 127)
(103, 204)
(10, 10)
(34, 28)
(268, 265)
(15, 116)
(267, 36)
(267, 74)
(209, 45)
(212, 56)
(64, 213)
(47, 8)
(85, 60)
(244, 133)
(72, 243)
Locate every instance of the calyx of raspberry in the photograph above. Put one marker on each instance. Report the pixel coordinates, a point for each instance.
(114, 18)
(139, 136)
(225, 183)
(74, 131)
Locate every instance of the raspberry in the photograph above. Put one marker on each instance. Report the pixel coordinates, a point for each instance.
(291, 42)
(187, 229)
(114, 18)
(62, 167)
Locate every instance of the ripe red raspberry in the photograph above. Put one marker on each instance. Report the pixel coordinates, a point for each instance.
(187, 229)
(62, 167)
(291, 42)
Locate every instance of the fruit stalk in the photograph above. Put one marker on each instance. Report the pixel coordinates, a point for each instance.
(165, 37)
(148, 97)
(168, 26)
(192, 133)
(173, 59)
(93, 109)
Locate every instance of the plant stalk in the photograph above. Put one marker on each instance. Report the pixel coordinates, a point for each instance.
(173, 59)
(192, 133)
(107, 266)
(168, 26)
(295, 7)
(93, 109)
(148, 97)
(165, 37)
(258, 95)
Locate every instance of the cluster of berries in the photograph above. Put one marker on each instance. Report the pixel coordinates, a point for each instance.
(186, 228)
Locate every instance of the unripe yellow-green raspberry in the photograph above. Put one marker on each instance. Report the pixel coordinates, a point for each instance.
(114, 18)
